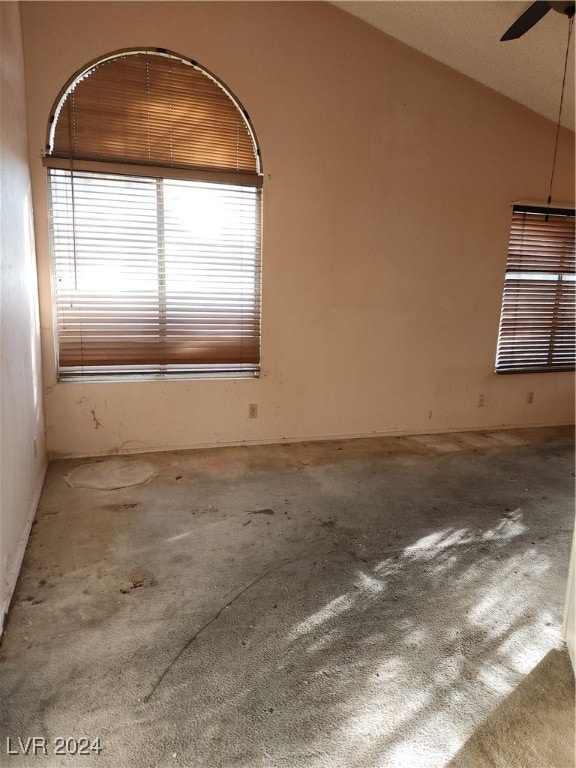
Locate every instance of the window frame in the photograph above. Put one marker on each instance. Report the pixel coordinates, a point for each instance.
(547, 263)
(211, 177)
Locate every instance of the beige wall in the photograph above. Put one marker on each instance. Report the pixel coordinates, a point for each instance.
(21, 406)
(388, 185)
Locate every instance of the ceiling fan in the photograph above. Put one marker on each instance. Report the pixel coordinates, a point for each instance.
(533, 14)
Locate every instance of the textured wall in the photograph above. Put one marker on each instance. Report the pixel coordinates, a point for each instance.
(22, 447)
(387, 200)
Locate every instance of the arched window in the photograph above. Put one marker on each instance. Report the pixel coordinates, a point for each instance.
(154, 180)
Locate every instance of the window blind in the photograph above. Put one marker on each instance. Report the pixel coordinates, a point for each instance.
(155, 275)
(154, 181)
(150, 108)
(537, 322)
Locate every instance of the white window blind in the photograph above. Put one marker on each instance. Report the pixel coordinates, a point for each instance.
(155, 184)
(537, 319)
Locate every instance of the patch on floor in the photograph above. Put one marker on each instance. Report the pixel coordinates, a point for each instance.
(533, 727)
(110, 475)
(137, 580)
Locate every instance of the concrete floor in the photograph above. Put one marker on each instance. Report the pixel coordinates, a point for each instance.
(369, 603)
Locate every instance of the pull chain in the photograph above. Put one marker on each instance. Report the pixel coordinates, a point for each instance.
(570, 25)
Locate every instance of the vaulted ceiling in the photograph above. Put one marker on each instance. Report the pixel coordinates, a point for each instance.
(466, 36)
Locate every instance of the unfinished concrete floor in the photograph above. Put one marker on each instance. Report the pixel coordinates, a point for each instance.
(361, 604)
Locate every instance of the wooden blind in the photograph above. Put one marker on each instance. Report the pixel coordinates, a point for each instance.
(147, 108)
(537, 322)
(154, 183)
(155, 276)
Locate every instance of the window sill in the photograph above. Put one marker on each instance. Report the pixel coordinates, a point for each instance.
(161, 377)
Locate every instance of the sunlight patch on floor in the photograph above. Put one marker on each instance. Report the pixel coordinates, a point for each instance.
(490, 656)
(368, 583)
(332, 609)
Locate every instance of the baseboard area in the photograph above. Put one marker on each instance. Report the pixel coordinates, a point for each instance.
(311, 438)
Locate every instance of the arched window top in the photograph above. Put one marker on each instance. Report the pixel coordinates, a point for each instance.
(154, 108)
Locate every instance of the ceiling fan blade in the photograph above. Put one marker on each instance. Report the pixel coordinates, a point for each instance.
(531, 16)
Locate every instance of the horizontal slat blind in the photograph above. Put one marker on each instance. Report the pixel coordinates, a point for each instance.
(537, 322)
(155, 275)
(149, 109)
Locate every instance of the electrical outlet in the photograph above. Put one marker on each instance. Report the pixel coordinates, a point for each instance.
(480, 401)
(530, 398)
(252, 411)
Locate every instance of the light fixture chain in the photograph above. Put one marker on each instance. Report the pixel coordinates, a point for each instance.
(570, 25)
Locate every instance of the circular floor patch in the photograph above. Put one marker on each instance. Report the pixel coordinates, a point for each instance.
(109, 475)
